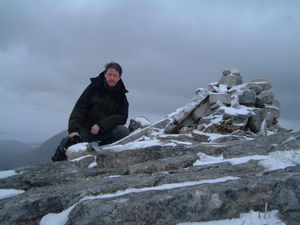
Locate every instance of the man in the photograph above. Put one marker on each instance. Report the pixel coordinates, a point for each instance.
(102, 109)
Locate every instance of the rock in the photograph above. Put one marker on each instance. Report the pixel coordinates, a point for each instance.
(260, 85)
(201, 111)
(255, 120)
(220, 97)
(269, 118)
(274, 111)
(78, 150)
(232, 79)
(185, 111)
(139, 122)
(265, 97)
(200, 136)
(247, 97)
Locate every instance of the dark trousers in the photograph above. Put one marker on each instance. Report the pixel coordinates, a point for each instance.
(108, 137)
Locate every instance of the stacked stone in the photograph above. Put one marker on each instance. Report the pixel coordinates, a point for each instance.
(233, 106)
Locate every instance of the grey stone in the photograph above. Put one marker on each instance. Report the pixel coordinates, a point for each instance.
(231, 80)
(226, 72)
(200, 136)
(247, 97)
(165, 164)
(274, 111)
(201, 111)
(73, 154)
(276, 103)
(265, 97)
(269, 118)
(260, 85)
(220, 97)
(139, 122)
(255, 120)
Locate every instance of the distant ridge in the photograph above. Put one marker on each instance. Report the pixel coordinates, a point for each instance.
(17, 154)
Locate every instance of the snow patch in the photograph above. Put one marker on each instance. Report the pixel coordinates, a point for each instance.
(133, 145)
(7, 173)
(281, 159)
(242, 110)
(272, 161)
(80, 158)
(6, 193)
(78, 147)
(290, 139)
(251, 218)
(92, 165)
(143, 121)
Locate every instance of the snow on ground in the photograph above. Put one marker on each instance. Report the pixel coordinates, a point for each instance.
(6, 193)
(281, 159)
(7, 173)
(290, 139)
(212, 136)
(78, 147)
(80, 158)
(251, 218)
(62, 217)
(143, 121)
(92, 165)
(242, 110)
(272, 161)
(133, 145)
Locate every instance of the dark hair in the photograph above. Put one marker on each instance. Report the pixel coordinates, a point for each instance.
(114, 66)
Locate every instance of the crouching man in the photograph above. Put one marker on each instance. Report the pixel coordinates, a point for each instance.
(100, 112)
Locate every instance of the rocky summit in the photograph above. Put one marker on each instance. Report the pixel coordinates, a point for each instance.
(220, 159)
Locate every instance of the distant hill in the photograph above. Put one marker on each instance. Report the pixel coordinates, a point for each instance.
(9, 152)
(16, 154)
(43, 153)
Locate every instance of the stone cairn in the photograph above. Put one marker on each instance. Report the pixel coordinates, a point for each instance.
(227, 107)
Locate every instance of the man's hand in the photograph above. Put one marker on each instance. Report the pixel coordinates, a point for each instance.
(74, 134)
(95, 129)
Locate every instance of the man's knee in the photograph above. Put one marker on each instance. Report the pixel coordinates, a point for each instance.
(120, 131)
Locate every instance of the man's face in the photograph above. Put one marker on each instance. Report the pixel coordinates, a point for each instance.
(112, 77)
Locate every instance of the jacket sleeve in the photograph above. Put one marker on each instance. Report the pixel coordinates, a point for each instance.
(119, 118)
(79, 110)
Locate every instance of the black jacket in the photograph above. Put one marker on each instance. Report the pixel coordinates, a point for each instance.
(100, 104)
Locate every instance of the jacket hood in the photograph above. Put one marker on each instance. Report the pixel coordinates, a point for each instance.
(99, 82)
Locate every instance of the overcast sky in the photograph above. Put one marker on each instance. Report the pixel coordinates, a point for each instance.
(50, 49)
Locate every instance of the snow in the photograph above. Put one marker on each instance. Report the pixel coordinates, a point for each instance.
(181, 142)
(6, 193)
(57, 218)
(113, 176)
(207, 160)
(251, 218)
(78, 147)
(80, 158)
(62, 217)
(92, 165)
(143, 121)
(214, 119)
(281, 160)
(272, 161)
(133, 145)
(242, 110)
(290, 139)
(7, 173)
(223, 88)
